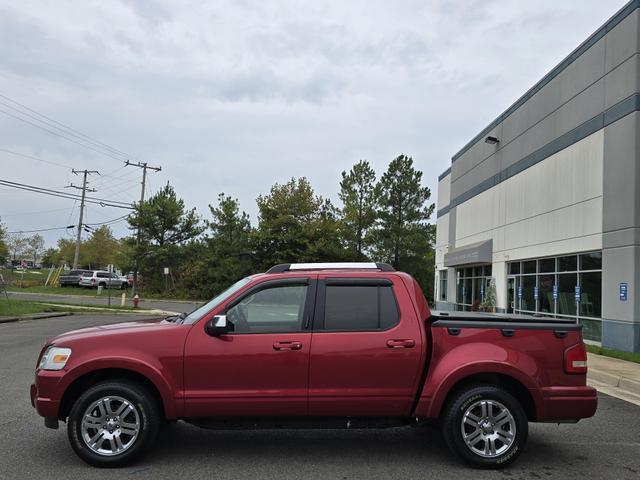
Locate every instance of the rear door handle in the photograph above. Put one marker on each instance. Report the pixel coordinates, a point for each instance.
(401, 343)
(287, 346)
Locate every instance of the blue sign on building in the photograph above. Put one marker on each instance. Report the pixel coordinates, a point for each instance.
(623, 292)
(535, 293)
(519, 292)
(555, 292)
(577, 293)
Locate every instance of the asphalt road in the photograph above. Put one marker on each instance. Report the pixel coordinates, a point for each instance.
(167, 305)
(604, 447)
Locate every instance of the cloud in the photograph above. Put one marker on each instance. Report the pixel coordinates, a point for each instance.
(236, 95)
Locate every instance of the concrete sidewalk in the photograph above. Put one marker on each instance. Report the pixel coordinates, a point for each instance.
(615, 377)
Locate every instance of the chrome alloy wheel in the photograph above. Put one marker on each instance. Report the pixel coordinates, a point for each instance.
(110, 425)
(488, 428)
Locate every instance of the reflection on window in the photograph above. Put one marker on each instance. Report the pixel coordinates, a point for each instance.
(559, 280)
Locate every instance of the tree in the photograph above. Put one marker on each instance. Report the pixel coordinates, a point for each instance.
(101, 248)
(296, 225)
(34, 246)
(4, 250)
(49, 257)
(403, 236)
(164, 226)
(358, 212)
(227, 254)
(16, 243)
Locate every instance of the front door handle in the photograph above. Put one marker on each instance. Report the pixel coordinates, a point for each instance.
(401, 343)
(287, 346)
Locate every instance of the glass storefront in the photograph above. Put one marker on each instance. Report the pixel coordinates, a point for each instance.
(471, 286)
(561, 287)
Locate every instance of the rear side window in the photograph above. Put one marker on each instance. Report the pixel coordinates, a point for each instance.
(357, 307)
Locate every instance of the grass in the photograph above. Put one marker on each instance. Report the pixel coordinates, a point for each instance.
(21, 307)
(89, 292)
(610, 352)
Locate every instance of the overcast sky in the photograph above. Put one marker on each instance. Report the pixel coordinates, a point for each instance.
(233, 96)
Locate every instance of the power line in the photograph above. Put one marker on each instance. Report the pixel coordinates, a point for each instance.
(46, 191)
(67, 128)
(35, 158)
(33, 213)
(43, 229)
(61, 135)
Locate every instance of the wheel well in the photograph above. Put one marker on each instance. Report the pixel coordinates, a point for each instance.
(506, 382)
(82, 383)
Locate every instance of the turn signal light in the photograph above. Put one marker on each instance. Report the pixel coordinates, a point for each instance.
(575, 359)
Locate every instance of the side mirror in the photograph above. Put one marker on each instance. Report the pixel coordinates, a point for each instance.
(218, 325)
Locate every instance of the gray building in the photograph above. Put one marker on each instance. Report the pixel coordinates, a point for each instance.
(544, 203)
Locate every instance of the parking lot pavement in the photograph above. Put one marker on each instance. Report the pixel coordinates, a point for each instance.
(603, 447)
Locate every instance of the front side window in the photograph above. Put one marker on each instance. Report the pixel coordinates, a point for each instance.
(272, 310)
(358, 307)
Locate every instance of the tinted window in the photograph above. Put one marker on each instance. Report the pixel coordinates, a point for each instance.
(351, 307)
(591, 261)
(514, 268)
(547, 265)
(272, 310)
(567, 264)
(529, 267)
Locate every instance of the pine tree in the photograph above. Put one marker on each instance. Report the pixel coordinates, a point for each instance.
(358, 212)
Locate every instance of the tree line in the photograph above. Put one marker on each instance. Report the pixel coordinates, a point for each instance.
(382, 219)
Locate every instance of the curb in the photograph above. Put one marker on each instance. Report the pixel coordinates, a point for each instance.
(613, 380)
(35, 316)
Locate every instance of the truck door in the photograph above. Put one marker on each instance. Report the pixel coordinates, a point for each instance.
(262, 367)
(366, 352)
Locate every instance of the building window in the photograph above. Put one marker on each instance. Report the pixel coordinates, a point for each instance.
(472, 284)
(443, 285)
(560, 287)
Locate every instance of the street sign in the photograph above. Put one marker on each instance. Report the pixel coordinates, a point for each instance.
(555, 292)
(535, 293)
(623, 291)
(577, 293)
(519, 292)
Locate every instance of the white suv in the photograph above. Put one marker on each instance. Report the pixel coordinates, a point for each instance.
(102, 278)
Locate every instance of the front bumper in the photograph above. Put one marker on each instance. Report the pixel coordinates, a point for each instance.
(567, 404)
(45, 393)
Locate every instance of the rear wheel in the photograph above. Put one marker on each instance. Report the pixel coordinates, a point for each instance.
(113, 423)
(486, 426)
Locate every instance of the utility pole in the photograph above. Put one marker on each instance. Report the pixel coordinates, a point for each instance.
(84, 190)
(144, 166)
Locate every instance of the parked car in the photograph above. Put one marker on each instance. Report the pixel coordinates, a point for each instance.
(316, 345)
(72, 279)
(102, 278)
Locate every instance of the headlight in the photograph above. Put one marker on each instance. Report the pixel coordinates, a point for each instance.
(54, 358)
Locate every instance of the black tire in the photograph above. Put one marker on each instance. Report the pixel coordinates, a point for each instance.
(102, 284)
(453, 424)
(146, 408)
(124, 286)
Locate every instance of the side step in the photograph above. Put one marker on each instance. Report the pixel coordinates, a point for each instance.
(273, 423)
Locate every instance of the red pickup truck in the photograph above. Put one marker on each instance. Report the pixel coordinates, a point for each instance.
(317, 346)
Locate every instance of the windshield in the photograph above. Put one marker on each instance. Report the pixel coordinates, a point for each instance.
(199, 312)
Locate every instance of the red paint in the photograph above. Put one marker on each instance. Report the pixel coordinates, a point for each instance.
(405, 371)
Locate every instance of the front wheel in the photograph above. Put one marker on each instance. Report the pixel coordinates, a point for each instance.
(486, 426)
(113, 423)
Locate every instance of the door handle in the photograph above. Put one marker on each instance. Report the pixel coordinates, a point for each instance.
(401, 343)
(287, 346)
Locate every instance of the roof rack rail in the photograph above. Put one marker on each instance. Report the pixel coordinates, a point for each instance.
(287, 267)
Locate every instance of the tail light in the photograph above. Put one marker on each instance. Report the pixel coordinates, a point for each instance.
(575, 359)
(93, 280)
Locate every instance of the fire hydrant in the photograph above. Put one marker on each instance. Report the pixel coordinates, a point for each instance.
(135, 300)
